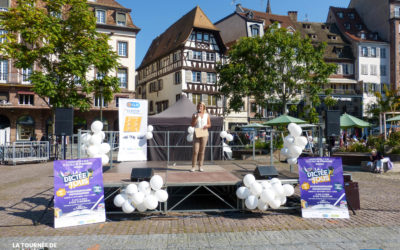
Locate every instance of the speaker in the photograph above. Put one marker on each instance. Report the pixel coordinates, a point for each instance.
(265, 172)
(141, 174)
(332, 123)
(64, 121)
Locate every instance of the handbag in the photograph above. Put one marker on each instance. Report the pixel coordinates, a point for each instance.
(199, 132)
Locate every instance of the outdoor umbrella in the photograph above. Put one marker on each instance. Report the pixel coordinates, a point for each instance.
(394, 119)
(254, 125)
(349, 121)
(283, 120)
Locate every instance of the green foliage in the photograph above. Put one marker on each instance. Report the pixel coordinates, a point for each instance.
(357, 147)
(377, 142)
(394, 139)
(389, 102)
(61, 40)
(273, 69)
(260, 144)
(278, 142)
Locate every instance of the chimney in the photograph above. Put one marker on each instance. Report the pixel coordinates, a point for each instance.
(239, 8)
(268, 8)
(292, 15)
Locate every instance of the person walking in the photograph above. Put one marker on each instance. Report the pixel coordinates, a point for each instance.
(201, 122)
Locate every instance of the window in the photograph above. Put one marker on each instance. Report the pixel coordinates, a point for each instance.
(26, 73)
(211, 78)
(347, 26)
(123, 49)
(253, 107)
(197, 55)
(100, 75)
(123, 78)
(25, 128)
(397, 12)
(177, 77)
(383, 70)
(351, 15)
(359, 26)
(3, 33)
(206, 37)
(117, 101)
(212, 40)
(340, 14)
(3, 70)
(177, 97)
(373, 52)
(363, 36)
(175, 56)
(199, 36)
(121, 19)
(99, 101)
(25, 99)
(364, 51)
(161, 106)
(193, 36)
(196, 98)
(160, 85)
(345, 68)
(255, 30)
(373, 70)
(212, 100)
(151, 106)
(196, 76)
(364, 69)
(153, 87)
(101, 16)
(210, 56)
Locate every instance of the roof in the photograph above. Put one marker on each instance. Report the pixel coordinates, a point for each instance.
(337, 47)
(108, 3)
(357, 26)
(267, 18)
(177, 34)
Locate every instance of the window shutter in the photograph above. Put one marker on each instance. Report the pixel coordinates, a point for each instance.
(190, 55)
(351, 69)
(217, 58)
(339, 69)
(369, 51)
(378, 52)
(3, 3)
(204, 98)
(121, 17)
(204, 54)
(203, 77)
(188, 76)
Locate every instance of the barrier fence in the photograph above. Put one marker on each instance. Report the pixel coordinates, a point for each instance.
(25, 152)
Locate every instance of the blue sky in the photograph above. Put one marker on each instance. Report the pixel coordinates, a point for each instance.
(155, 16)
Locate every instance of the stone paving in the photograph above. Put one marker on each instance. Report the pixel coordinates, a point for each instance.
(26, 189)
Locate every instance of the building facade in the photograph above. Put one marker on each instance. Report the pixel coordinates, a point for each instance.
(383, 16)
(24, 115)
(372, 56)
(182, 61)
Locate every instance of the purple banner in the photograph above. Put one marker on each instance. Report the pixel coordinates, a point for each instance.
(78, 192)
(322, 188)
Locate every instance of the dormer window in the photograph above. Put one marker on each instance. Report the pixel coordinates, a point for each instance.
(255, 30)
(312, 36)
(359, 26)
(121, 19)
(362, 35)
(306, 26)
(351, 15)
(250, 15)
(347, 26)
(340, 14)
(101, 16)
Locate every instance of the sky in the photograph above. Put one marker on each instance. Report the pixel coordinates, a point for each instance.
(153, 17)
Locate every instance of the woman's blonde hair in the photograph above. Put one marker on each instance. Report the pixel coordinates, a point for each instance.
(204, 105)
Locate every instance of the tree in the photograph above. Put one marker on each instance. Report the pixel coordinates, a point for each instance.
(390, 102)
(59, 38)
(275, 68)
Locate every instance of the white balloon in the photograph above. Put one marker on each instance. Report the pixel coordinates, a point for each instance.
(265, 184)
(288, 190)
(229, 137)
(105, 159)
(283, 200)
(105, 148)
(294, 129)
(284, 151)
(119, 200)
(85, 138)
(93, 150)
(141, 207)
(95, 139)
(150, 128)
(292, 161)
(248, 180)
(223, 134)
(143, 186)
(251, 202)
(262, 205)
(151, 202)
(131, 189)
(301, 141)
(161, 195)
(189, 137)
(256, 188)
(275, 180)
(289, 140)
(242, 193)
(295, 151)
(96, 126)
(149, 135)
(267, 195)
(274, 204)
(127, 207)
(277, 187)
(138, 198)
(156, 182)
(101, 134)
(190, 130)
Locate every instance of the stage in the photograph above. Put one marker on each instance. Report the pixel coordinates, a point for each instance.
(211, 190)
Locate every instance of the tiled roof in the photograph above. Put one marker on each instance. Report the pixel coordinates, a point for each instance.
(268, 18)
(109, 3)
(352, 25)
(337, 47)
(176, 35)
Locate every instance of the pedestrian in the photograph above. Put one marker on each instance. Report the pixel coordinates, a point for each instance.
(201, 122)
(377, 161)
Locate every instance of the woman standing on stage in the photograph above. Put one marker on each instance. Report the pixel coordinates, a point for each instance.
(201, 122)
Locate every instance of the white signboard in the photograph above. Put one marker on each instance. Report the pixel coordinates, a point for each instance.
(132, 130)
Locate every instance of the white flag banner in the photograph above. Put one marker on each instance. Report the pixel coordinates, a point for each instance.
(132, 130)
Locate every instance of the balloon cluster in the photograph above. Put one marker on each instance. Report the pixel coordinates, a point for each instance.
(225, 135)
(149, 133)
(263, 194)
(143, 196)
(189, 137)
(92, 144)
(293, 144)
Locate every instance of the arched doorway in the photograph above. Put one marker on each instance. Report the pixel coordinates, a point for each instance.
(25, 128)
